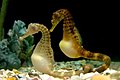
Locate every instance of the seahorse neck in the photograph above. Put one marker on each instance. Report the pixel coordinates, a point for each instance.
(44, 42)
(68, 26)
(45, 39)
(70, 32)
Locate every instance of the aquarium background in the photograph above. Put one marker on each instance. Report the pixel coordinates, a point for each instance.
(96, 21)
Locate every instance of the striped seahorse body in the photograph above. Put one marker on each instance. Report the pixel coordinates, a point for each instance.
(71, 43)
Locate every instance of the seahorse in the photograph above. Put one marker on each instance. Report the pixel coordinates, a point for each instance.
(71, 43)
(43, 55)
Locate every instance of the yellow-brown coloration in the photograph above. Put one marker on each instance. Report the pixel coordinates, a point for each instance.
(71, 43)
(42, 57)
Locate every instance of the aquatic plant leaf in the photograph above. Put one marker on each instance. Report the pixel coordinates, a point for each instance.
(2, 64)
(28, 62)
(29, 50)
(3, 44)
(8, 59)
(13, 62)
(18, 25)
(14, 46)
(30, 40)
(22, 31)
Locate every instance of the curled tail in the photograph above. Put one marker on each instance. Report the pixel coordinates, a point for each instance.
(68, 73)
(65, 74)
(87, 68)
(99, 57)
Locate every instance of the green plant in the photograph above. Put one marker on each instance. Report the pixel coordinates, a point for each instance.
(3, 11)
(14, 52)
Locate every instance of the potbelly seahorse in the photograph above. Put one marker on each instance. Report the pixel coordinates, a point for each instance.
(42, 57)
(71, 44)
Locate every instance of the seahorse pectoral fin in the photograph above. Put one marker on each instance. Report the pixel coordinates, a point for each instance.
(55, 23)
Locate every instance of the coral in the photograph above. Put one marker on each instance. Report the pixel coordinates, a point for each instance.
(8, 59)
(14, 52)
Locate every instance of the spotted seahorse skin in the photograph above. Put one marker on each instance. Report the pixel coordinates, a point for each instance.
(43, 56)
(71, 43)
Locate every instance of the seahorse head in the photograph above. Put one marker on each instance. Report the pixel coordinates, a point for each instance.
(56, 18)
(33, 28)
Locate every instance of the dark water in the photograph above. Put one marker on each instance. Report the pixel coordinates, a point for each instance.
(95, 20)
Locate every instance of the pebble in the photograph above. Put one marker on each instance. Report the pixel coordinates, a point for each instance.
(34, 75)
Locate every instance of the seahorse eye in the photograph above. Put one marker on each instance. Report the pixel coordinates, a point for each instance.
(32, 27)
(56, 16)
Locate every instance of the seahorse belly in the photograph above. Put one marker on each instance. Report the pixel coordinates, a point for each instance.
(68, 50)
(42, 64)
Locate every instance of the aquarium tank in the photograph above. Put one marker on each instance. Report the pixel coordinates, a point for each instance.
(70, 41)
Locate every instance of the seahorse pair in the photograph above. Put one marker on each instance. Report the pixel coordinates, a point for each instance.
(71, 45)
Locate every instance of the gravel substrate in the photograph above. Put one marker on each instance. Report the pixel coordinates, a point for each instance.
(29, 73)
